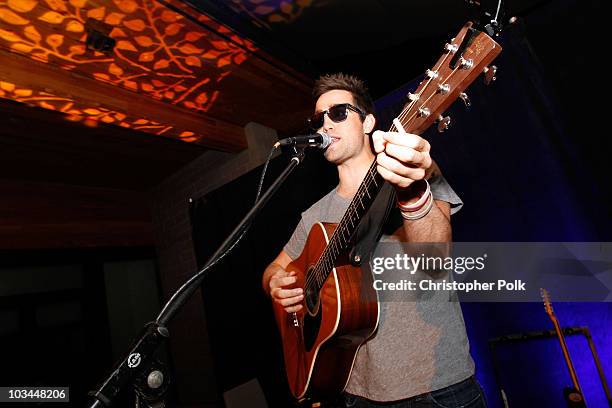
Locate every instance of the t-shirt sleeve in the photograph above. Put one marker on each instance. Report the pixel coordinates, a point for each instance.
(296, 243)
(442, 191)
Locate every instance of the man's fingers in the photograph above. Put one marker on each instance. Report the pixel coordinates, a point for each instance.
(397, 180)
(415, 171)
(378, 139)
(407, 155)
(401, 158)
(382, 140)
(289, 301)
(406, 139)
(278, 281)
(289, 298)
(286, 293)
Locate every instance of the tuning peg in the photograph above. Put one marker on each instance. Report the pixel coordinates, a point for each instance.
(465, 99)
(466, 63)
(489, 73)
(431, 74)
(412, 97)
(424, 112)
(452, 48)
(443, 88)
(443, 123)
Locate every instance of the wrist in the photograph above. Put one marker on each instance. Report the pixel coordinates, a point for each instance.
(421, 211)
(414, 197)
(416, 202)
(267, 277)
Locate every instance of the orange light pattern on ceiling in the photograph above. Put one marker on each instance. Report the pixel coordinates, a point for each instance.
(158, 52)
(91, 116)
(268, 12)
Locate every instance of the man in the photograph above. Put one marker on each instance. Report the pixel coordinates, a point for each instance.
(419, 355)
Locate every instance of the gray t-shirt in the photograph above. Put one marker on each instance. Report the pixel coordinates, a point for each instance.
(419, 346)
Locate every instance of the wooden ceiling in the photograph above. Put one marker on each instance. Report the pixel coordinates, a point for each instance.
(173, 72)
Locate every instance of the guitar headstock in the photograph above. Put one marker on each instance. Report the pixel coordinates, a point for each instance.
(547, 304)
(466, 57)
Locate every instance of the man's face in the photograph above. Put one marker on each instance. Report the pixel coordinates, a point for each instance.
(348, 137)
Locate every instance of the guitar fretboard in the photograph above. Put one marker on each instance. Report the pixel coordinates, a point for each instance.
(342, 236)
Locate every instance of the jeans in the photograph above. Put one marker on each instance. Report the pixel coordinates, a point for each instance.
(464, 394)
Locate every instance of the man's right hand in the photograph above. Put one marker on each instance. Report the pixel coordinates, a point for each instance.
(289, 298)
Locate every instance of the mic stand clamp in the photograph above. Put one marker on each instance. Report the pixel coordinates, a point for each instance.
(151, 387)
(137, 365)
(133, 365)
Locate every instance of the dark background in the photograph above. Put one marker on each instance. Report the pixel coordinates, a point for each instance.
(69, 314)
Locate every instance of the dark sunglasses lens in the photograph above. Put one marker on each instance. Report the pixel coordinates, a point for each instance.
(316, 121)
(338, 113)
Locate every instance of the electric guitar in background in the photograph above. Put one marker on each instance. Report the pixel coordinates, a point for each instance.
(573, 395)
(341, 307)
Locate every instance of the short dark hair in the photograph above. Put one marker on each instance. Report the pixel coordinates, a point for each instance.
(350, 83)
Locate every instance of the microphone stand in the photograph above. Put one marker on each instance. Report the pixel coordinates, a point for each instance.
(135, 367)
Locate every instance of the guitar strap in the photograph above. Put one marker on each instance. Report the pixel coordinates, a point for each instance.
(378, 220)
(373, 224)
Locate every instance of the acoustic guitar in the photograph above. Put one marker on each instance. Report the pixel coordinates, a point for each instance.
(341, 307)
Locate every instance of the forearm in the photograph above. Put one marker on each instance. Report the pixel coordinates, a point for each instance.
(434, 227)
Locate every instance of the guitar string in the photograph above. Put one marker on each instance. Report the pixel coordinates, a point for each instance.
(434, 94)
(407, 108)
(318, 274)
(370, 177)
(406, 111)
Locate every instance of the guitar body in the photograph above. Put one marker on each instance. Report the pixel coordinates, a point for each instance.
(320, 341)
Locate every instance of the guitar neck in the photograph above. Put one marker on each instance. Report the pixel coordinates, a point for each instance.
(566, 355)
(342, 236)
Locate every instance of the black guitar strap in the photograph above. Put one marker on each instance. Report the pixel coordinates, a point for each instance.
(371, 226)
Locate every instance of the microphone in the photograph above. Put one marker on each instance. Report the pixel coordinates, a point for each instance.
(319, 140)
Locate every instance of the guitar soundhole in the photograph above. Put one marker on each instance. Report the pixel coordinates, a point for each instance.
(312, 319)
(312, 301)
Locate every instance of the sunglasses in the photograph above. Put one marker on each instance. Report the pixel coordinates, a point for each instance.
(337, 113)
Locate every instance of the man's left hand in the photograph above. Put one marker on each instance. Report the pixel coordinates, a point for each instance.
(402, 158)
